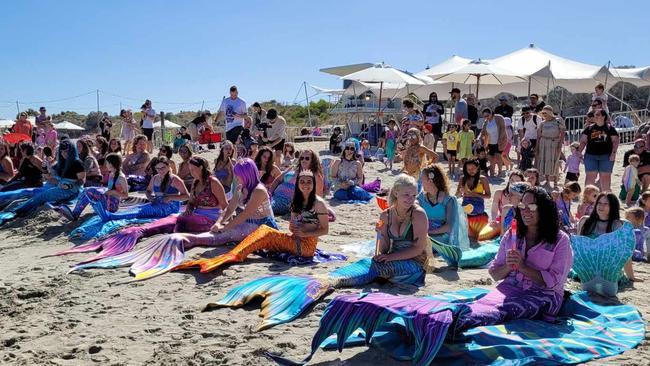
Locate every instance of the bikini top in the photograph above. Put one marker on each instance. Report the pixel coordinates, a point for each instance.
(347, 169)
(308, 217)
(205, 198)
(403, 241)
(478, 189)
(221, 174)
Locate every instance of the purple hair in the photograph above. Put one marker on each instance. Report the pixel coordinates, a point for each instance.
(247, 171)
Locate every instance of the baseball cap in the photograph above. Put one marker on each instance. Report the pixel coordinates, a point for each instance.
(455, 90)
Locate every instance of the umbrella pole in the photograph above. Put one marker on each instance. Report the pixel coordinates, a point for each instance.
(529, 79)
(381, 88)
(561, 101)
(478, 82)
(304, 83)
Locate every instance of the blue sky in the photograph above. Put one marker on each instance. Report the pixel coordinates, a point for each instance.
(186, 52)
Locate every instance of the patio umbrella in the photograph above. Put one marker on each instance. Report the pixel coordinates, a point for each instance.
(480, 72)
(382, 73)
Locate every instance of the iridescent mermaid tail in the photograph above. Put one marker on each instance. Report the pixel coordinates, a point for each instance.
(147, 210)
(124, 240)
(286, 297)
(283, 194)
(23, 193)
(52, 194)
(598, 262)
(476, 223)
(154, 259)
(264, 238)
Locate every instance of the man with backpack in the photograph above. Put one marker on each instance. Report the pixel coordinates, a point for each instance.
(528, 126)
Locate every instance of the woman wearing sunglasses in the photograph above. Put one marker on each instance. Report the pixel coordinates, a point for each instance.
(283, 187)
(347, 173)
(288, 157)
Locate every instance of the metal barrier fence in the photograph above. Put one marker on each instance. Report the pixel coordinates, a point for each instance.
(575, 124)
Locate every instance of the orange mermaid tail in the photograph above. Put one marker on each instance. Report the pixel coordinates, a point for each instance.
(476, 223)
(263, 237)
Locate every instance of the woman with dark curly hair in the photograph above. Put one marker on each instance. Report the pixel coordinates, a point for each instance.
(266, 166)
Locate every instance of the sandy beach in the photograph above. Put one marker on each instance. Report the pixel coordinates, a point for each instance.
(48, 317)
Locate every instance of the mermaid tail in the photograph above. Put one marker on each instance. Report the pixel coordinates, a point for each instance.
(152, 260)
(7, 197)
(489, 232)
(283, 194)
(53, 194)
(366, 270)
(476, 223)
(264, 238)
(124, 240)
(6, 216)
(598, 262)
(426, 321)
(95, 227)
(285, 297)
(147, 210)
(372, 187)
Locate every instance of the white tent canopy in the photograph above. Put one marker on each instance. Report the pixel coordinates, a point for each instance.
(639, 76)
(547, 70)
(382, 73)
(168, 124)
(446, 67)
(346, 69)
(5, 123)
(65, 125)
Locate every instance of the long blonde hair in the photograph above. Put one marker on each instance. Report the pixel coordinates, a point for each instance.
(402, 181)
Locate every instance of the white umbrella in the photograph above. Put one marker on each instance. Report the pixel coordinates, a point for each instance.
(6, 123)
(65, 125)
(382, 73)
(168, 124)
(482, 72)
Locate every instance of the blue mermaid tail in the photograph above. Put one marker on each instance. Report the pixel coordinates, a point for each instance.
(598, 262)
(285, 297)
(148, 210)
(52, 194)
(7, 197)
(95, 227)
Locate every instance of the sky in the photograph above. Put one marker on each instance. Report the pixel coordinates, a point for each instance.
(184, 54)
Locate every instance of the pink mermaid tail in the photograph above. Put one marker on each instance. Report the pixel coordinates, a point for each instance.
(124, 240)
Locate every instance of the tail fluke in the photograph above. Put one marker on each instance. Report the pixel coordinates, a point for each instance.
(154, 259)
(95, 227)
(6, 216)
(426, 321)
(285, 297)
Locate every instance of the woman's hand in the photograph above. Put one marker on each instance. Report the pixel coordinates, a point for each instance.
(612, 156)
(514, 259)
(382, 258)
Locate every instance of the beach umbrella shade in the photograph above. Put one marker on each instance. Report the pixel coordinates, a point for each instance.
(382, 73)
(480, 72)
(69, 126)
(4, 123)
(14, 138)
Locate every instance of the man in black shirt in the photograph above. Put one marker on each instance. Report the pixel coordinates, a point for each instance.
(433, 111)
(472, 113)
(534, 105)
(504, 109)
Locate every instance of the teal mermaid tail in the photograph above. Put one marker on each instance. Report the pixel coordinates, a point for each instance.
(285, 297)
(23, 193)
(95, 227)
(599, 262)
(471, 258)
(6, 216)
(51, 194)
(124, 240)
(154, 259)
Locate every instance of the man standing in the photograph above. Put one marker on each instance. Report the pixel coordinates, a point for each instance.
(472, 113)
(105, 126)
(527, 126)
(276, 133)
(148, 118)
(535, 105)
(233, 109)
(460, 106)
(433, 111)
(41, 118)
(504, 108)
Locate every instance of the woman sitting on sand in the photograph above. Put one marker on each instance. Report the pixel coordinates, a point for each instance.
(30, 170)
(66, 179)
(347, 173)
(502, 196)
(109, 197)
(6, 165)
(165, 192)
(136, 162)
(223, 165)
(442, 209)
(283, 187)
(184, 167)
(308, 222)
(474, 188)
(266, 166)
(415, 154)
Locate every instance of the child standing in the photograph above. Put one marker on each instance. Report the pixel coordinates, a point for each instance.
(635, 216)
(365, 151)
(630, 185)
(572, 167)
(465, 141)
(391, 143)
(505, 155)
(450, 142)
(527, 151)
(570, 192)
(588, 201)
(482, 160)
(335, 141)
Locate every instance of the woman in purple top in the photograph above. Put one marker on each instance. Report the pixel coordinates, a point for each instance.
(533, 267)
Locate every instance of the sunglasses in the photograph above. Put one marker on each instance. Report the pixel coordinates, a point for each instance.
(529, 207)
(351, 148)
(639, 146)
(307, 158)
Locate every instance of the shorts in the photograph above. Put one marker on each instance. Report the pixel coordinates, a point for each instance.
(572, 177)
(598, 163)
(148, 132)
(233, 133)
(493, 149)
(436, 130)
(279, 146)
(451, 153)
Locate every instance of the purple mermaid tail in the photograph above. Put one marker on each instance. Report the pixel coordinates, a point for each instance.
(124, 240)
(372, 187)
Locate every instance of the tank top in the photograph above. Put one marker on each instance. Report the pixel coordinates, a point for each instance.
(436, 214)
(205, 198)
(112, 181)
(347, 170)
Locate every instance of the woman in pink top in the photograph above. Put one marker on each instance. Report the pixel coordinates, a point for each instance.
(51, 136)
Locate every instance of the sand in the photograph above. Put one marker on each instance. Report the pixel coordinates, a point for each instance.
(48, 317)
